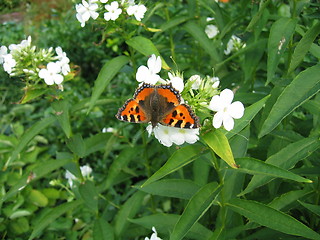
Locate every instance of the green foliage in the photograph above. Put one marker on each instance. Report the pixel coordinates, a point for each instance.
(258, 181)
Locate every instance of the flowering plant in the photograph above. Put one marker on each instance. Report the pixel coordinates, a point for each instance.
(35, 67)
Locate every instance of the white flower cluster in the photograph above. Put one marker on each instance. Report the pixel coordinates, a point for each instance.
(8, 59)
(111, 11)
(234, 42)
(86, 171)
(23, 60)
(53, 73)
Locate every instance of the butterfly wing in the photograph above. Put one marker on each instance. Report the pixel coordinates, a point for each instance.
(181, 116)
(133, 110)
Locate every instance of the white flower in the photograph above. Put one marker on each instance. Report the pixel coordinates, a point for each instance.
(196, 81)
(211, 31)
(154, 235)
(86, 170)
(169, 135)
(23, 44)
(109, 130)
(226, 111)
(103, 1)
(149, 74)
(63, 61)
(51, 74)
(176, 82)
(86, 10)
(8, 63)
(234, 43)
(215, 81)
(113, 11)
(137, 10)
(3, 52)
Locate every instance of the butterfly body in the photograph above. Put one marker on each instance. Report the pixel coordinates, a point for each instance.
(158, 104)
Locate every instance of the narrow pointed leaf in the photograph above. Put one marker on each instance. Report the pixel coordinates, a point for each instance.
(271, 218)
(27, 136)
(280, 34)
(311, 207)
(32, 93)
(62, 114)
(102, 230)
(249, 113)
(178, 159)
(89, 195)
(77, 145)
(286, 158)
(52, 215)
(177, 188)
(197, 206)
(308, 83)
(257, 167)
(146, 47)
(128, 210)
(198, 34)
(303, 46)
(106, 74)
(218, 142)
(164, 223)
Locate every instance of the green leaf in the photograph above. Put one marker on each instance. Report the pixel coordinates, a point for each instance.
(146, 47)
(218, 142)
(286, 158)
(197, 206)
(303, 46)
(77, 145)
(128, 210)
(102, 230)
(117, 166)
(173, 22)
(89, 195)
(27, 136)
(308, 83)
(271, 218)
(180, 158)
(280, 34)
(257, 167)
(106, 74)
(164, 223)
(311, 207)
(40, 170)
(32, 93)
(52, 215)
(177, 188)
(199, 35)
(62, 114)
(249, 113)
(257, 16)
(288, 198)
(97, 142)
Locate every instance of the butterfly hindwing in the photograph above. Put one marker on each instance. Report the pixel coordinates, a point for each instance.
(131, 112)
(181, 116)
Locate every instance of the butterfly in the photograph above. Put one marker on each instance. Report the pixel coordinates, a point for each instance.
(158, 104)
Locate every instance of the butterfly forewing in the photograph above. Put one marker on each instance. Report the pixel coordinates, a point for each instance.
(131, 112)
(182, 116)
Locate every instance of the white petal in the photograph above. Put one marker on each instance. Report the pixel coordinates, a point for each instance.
(43, 73)
(142, 73)
(216, 104)
(177, 83)
(94, 15)
(217, 119)
(154, 63)
(162, 134)
(228, 122)
(49, 80)
(176, 136)
(226, 96)
(236, 110)
(58, 78)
